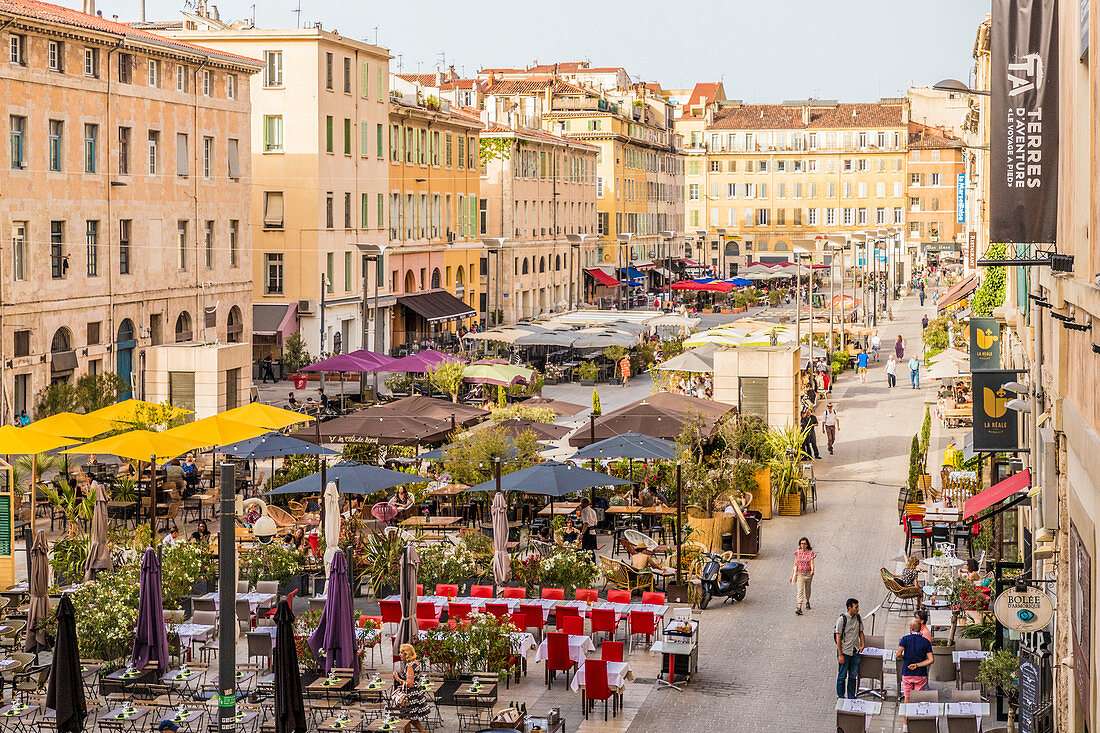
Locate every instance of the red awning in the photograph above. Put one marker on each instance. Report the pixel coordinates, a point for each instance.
(717, 286)
(997, 493)
(603, 278)
(690, 262)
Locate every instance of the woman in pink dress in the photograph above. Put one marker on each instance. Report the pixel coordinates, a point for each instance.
(802, 574)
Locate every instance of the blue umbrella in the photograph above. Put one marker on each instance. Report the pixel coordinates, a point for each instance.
(739, 281)
(354, 478)
(551, 478)
(151, 636)
(334, 637)
(629, 445)
(273, 445)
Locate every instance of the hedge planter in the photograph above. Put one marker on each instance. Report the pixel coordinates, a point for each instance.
(588, 382)
(709, 530)
(789, 505)
(762, 496)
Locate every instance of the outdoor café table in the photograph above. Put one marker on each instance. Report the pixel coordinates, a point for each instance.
(939, 619)
(969, 709)
(578, 647)
(255, 599)
(383, 725)
(124, 509)
(372, 688)
(184, 678)
(18, 714)
(887, 655)
(329, 684)
(969, 654)
(128, 676)
(337, 723)
(449, 492)
(561, 508)
(522, 643)
(241, 679)
(189, 632)
(121, 717)
(440, 523)
(921, 709)
(187, 718)
(867, 707)
(371, 636)
(618, 673)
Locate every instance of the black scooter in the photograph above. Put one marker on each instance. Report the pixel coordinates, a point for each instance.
(723, 576)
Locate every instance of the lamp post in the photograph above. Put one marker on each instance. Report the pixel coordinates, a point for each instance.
(667, 236)
(721, 253)
(321, 340)
(835, 244)
(372, 253)
(803, 247)
(227, 596)
(493, 244)
(624, 239)
(576, 241)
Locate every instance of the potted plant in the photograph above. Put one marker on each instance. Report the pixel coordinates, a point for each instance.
(482, 645)
(587, 372)
(1000, 672)
(786, 473)
(272, 562)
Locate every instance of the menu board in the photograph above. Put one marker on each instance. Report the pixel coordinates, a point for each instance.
(1028, 689)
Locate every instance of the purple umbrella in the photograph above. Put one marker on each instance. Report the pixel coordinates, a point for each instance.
(335, 634)
(420, 362)
(357, 361)
(151, 637)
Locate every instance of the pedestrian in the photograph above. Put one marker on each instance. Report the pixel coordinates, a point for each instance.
(830, 421)
(876, 344)
(914, 372)
(588, 519)
(891, 372)
(407, 677)
(861, 366)
(802, 574)
(915, 655)
(925, 630)
(809, 442)
(924, 322)
(899, 348)
(922, 296)
(624, 370)
(850, 641)
(266, 371)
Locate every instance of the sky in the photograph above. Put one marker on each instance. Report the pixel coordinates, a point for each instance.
(763, 51)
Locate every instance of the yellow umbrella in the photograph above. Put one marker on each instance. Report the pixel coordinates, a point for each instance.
(125, 411)
(215, 430)
(265, 416)
(139, 445)
(24, 441)
(73, 425)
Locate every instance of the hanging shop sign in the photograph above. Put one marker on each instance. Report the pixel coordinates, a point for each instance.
(985, 344)
(1024, 611)
(995, 425)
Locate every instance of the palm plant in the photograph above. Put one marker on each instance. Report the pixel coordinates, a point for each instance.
(786, 450)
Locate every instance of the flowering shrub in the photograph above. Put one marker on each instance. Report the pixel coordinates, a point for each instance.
(527, 571)
(483, 642)
(270, 562)
(181, 565)
(106, 614)
(569, 568)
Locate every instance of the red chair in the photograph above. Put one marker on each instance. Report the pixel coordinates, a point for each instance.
(605, 620)
(519, 619)
(391, 613)
(446, 590)
(500, 610)
(614, 595)
(596, 688)
(557, 657)
(289, 601)
(420, 589)
(573, 625)
(459, 611)
(514, 593)
(534, 618)
(553, 594)
(563, 612)
(642, 623)
(482, 591)
(427, 609)
(588, 596)
(612, 651)
(653, 598)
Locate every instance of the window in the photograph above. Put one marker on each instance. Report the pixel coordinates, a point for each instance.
(753, 396)
(91, 62)
(181, 78)
(234, 242)
(234, 159)
(830, 189)
(716, 166)
(124, 151)
(57, 127)
(208, 245)
(58, 266)
(328, 71)
(330, 272)
(880, 189)
(19, 250)
(781, 190)
(273, 133)
(847, 189)
(207, 82)
(762, 190)
(914, 179)
(935, 204)
(781, 166)
(897, 189)
(880, 215)
(55, 56)
(379, 143)
(847, 221)
(899, 217)
(18, 49)
(379, 211)
(328, 134)
(347, 136)
(231, 86)
(22, 343)
(693, 192)
(347, 75)
(880, 139)
(91, 141)
(273, 71)
(936, 179)
(347, 211)
(461, 151)
(18, 150)
(862, 189)
(124, 226)
(126, 68)
(812, 141)
(329, 215)
(812, 217)
(207, 156)
(914, 203)
(91, 241)
(798, 190)
(154, 145)
(762, 166)
(181, 385)
(798, 217)
(863, 139)
(483, 216)
(731, 190)
(862, 164)
(780, 218)
(861, 217)
(761, 217)
(154, 73)
(183, 157)
(273, 210)
(936, 157)
(830, 217)
(181, 234)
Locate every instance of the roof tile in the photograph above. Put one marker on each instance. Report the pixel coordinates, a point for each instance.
(778, 116)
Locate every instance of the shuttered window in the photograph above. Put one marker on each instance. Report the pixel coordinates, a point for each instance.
(181, 390)
(753, 397)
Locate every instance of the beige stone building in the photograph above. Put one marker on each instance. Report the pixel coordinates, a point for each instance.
(320, 123)
(936, 189)
(125, 207)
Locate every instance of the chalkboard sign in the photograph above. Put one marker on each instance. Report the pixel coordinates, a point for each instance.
(1029, 695)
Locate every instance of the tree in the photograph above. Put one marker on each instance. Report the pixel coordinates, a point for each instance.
(991, 293)
(58, 397)
(295, 354)
(447, 376)
(521, 411)
(470, 461)
(94, 391)
(914, 465)
(596, 411)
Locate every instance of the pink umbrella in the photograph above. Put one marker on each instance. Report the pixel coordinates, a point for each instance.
(384, 511)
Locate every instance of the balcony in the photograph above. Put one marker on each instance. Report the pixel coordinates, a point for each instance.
(585, 104)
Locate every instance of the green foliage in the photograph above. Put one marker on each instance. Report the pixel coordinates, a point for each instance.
(991, 293)
(644, 356)
(156, 417)
(840, 362)
(502, 396)
(672, 347)
(470, 461)
(447, 376)
(596, 409)
(999, 671)
(614, 353)
(294, 468)
(483, 644)
(914, 466)
(786, 449)
(495, 148)
(43, 463)
(523, 412)
(398, 382)
(935, 336)
(295, 354)
(925, 438)
(270, 562)
(58, 397)
(367, 453)
(379, 557)
(443, 562)
(749, 436)
(67, 557)
(986, 630)
(94, 391)
(568, 568)
(181, 565)
(106, 614)
(68, 501)
(587, 371)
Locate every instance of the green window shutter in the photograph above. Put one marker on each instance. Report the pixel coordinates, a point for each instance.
(330, 271)
(471, 220)
(364, 80)
(378, 139)
(378, 211)
(347, 272)
(364, 216)
(347, 136)
(380, 94)
(364, 138)
(328, 134)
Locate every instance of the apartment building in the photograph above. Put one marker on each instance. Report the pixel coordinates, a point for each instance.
(762, 175)
(935, 193)
(320, 193)
(538, 193)
(125, 211)
(434, 248)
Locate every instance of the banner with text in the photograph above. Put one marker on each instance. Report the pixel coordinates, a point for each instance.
(1023, 135)
(995, 426)
(985, 344)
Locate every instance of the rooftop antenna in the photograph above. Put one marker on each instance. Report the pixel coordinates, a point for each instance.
(400, 62)
(442, 56)
(298, 12)
(418, 63)
(253, 15)
(375, 35)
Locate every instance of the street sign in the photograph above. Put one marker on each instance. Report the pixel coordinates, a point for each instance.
(960, 199)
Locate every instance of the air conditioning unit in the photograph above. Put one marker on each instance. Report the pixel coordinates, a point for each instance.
(305, 307)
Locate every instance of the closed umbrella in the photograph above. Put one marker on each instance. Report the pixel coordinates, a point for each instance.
(332, 525)
(151, 637)
(40, 600)
(410, 566)
(290, 712)
(502, 568)
(65, 693)
(99, 552)
(334, 637)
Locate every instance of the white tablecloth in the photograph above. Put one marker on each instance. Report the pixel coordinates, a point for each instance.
(255, 599)
(522, 643)
(617, 675)
(887, 655)
(921, 709)
(578, 647)
(190, 632)
(969, 654)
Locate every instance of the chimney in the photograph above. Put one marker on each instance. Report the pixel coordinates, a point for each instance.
(438, 78)
(89, 7)
(805, 114)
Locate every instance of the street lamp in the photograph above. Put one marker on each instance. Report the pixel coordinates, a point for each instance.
(624, 239)
(835, 243)
(494, 244)
(668, 236)
(371, 253)
(958, 87)
(801, 247)
(721, 252)
(576, 241)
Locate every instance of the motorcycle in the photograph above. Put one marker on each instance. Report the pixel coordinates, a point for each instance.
(723, 576)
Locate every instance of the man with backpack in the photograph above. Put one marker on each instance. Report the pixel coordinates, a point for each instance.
(849, 643)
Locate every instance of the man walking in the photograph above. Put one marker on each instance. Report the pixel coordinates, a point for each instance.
(809, 443)
(891, 372)
(924, 322)
(849, 643)
(922, 295)
(861, 366)
(915, 655)
(830, 421)
(914, 372)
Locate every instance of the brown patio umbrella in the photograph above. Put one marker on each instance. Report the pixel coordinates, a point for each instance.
(99, 551)
(542, 431)
(383, 426)
(436, 409)
(562, 409)
(502, 567)
(40, 601)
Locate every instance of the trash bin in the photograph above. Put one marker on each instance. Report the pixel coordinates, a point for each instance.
(299, 381)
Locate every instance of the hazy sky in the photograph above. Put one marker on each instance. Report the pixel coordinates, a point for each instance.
(764, 50)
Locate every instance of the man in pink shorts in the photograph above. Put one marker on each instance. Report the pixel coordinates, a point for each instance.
(915, 654)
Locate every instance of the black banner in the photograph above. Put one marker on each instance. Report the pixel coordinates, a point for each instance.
(994, 424)
(985, 344)
(1023, 132)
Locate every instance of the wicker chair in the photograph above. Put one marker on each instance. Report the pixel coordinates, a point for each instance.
(624, 577)
(899, 597)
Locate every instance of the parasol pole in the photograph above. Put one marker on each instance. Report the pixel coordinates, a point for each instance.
(679, 519)
(153, 499)
(30, 536)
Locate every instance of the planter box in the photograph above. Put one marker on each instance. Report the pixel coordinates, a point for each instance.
(550, 380)
(588, 382)
(789, 505)
(762, 497)
(709, 530)
(297, 583)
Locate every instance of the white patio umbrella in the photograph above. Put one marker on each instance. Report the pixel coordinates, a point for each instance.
(332, 524)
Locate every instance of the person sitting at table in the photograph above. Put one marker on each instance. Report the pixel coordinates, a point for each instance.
(641, 561)
(402, 499)
(908, 576)
(201, 533)
(971, 572)
(646, 497)
(544, 533)
(293, 402)
(296, 540)
(925, 630)
(568, 534)
(190, 476)
(173, 471)
(172, 538)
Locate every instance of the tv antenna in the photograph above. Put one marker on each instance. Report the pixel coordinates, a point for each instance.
(297, 12)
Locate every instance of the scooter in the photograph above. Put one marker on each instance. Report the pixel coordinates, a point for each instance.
(723, 576)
